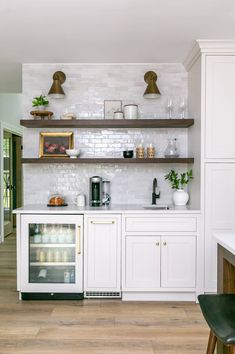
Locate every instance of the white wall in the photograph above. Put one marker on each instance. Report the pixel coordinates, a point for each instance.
(11, 108)
(86, 87)
(11, 77)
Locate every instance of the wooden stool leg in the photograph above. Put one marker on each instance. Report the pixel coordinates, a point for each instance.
(232, 349)
(211, 344)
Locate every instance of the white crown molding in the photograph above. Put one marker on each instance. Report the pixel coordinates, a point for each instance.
(192, 57)
(214, 45)
(208, 46)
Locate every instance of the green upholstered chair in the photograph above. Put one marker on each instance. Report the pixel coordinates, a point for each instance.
(219, 313)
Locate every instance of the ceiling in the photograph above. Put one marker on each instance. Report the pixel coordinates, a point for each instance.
(135, 31)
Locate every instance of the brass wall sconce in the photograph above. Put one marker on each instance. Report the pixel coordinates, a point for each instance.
(56, 90)
(152, 90)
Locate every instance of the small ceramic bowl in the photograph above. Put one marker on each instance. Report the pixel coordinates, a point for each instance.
(73, 153)
(128, 154)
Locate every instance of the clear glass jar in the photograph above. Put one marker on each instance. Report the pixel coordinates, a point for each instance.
(106, 193)
(171, 149)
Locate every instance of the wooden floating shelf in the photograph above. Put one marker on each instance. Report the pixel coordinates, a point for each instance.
(108, 123)
(107, 160)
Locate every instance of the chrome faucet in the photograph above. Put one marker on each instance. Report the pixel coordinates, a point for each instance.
(156, 192)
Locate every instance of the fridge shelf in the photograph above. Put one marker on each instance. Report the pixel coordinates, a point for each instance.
(52, 245)
(51, 264)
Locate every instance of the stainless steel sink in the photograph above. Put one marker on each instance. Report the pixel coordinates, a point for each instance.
(157, 207)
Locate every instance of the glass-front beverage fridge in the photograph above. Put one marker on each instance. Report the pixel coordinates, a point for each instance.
(51, 257)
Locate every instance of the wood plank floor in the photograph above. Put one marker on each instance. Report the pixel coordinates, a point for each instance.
(93, 326)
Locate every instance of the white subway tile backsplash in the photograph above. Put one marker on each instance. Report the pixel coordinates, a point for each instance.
(86, 87)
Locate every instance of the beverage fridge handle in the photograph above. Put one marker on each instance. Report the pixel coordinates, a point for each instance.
(79, 239)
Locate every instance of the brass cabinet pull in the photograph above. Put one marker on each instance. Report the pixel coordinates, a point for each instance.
(79, 240)
(157, 243)
(164, 243)
(103, 222)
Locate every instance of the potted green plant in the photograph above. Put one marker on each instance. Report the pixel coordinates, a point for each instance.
(40, 102)
(178, 182)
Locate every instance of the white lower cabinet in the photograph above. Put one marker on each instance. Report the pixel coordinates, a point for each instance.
(178, 261)
(153, 262)
(102, 255)
(160, 263)
(142, 262)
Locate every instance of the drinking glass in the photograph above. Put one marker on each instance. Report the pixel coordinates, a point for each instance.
(169, 107)
(182, 107)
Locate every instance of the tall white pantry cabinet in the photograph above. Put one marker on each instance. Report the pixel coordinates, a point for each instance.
(211, 69)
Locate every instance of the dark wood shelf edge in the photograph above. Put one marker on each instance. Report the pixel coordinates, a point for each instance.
(108, 123)
(106, 160)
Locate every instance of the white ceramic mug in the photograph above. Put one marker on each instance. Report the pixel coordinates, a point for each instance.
(80, 200)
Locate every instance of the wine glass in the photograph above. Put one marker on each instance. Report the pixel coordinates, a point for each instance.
(182, 107)
(169, 107)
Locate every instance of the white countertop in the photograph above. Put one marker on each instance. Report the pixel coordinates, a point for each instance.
(72, 209)
(226, 240)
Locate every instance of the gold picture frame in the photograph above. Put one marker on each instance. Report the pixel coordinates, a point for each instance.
(55, 144)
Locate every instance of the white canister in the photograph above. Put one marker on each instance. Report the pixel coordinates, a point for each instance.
(131, 111)
(118, 115)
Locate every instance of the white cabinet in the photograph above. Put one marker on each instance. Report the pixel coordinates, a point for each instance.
(219, 177)
(153, 262)
(219, 213)
(102, 258)
(50, 255)
(178, 261)
(219, 106)
(211, 74)
(161, 223)
(142, 262)
(160, 262)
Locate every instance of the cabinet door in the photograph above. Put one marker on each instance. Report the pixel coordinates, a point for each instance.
(220, 106)
(51, 252)
(219, 213)
(102, 253)
(142, 263)
(178, 261)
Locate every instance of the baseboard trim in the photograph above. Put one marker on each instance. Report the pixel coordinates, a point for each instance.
(154, 296)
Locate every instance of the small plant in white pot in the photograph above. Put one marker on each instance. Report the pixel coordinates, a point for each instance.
(40, 102)
(178, 183)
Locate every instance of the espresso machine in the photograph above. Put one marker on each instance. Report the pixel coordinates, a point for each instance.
(96, 191)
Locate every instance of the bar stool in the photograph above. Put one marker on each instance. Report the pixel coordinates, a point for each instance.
(219, 313)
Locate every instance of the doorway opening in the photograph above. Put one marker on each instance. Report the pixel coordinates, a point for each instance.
(12, 179)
